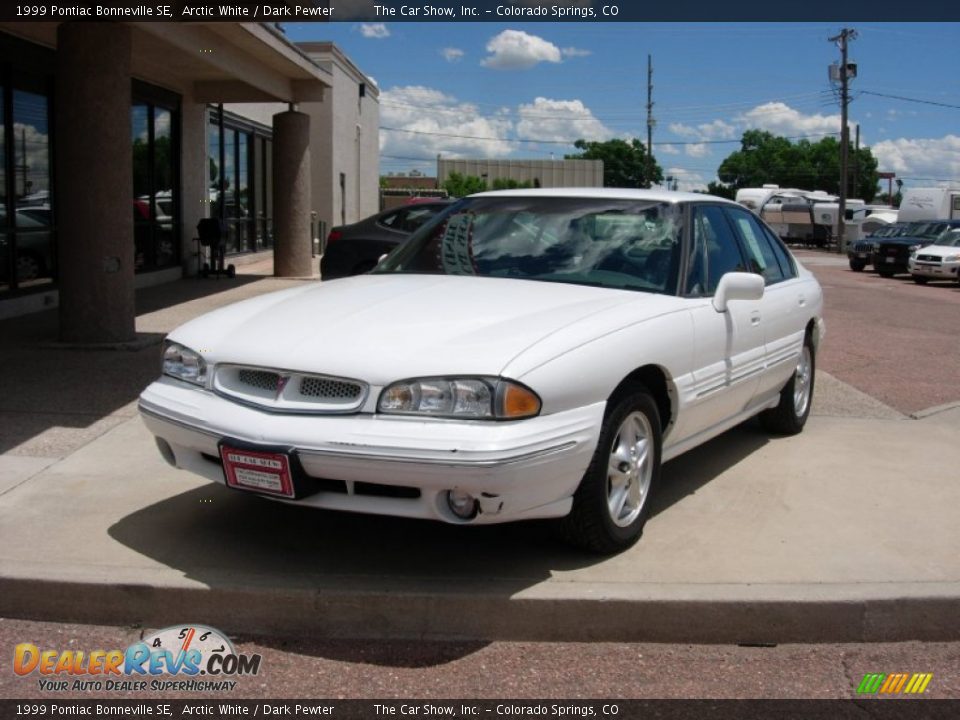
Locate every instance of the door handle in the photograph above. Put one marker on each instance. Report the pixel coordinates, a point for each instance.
(801, 300)
(755, 318)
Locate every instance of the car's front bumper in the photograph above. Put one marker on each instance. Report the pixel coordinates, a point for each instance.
(934, 270)
(517, 470)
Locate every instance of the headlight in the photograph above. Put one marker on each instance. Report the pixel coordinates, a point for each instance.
(183, 363)
(467, 398)
(914, 248)
(952, 258)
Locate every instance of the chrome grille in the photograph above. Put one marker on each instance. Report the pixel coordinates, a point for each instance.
(289, 391)
(329, 389)
(260, 379)
(928, 258)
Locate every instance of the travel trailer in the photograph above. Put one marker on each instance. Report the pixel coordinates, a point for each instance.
(808, 216)
(932, 203)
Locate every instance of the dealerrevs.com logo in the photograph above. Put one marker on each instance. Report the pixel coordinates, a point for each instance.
(178, 658)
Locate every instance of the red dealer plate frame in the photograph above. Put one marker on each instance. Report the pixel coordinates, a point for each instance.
(267, 473)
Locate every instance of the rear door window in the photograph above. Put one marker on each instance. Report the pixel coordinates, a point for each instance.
(760, 254)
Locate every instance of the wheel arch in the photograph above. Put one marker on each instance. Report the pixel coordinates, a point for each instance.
(660, 385)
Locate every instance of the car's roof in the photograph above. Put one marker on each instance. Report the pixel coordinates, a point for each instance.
(606, 193)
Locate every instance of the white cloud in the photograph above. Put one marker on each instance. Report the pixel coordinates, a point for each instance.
(547, 119)
(569, 52)
(452, 54)
(716, 130)
(697, 150)
(517, 50)
(377, 31)
(920, 157)
(687, 180)
(426, 110)
(781, 119)
(666, 149)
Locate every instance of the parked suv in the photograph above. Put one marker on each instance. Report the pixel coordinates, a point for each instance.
(861, 252)
(940, 261)
(893, 254)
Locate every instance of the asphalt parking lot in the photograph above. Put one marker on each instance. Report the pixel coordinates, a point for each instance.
(753, 539)
(897, 341)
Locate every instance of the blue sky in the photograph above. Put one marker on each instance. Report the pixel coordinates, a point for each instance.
(453, 83)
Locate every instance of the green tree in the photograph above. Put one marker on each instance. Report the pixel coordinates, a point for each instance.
(767, 158)
(721, 190)
(510, 184)
(458, 185)
(625, 164)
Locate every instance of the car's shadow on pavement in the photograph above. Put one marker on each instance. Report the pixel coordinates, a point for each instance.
(220, 536)
(686, 474)
(385, 567)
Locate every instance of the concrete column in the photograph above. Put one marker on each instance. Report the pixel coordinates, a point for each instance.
(291, 195)
(94, 176)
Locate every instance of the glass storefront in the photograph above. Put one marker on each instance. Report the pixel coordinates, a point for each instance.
(156, 194)
(240, 182)
(27, 231)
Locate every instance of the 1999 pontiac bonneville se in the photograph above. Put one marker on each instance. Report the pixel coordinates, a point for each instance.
(526, 354)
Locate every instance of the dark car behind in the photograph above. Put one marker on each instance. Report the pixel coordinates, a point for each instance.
(892, 254)
(356, 249)
(861, 252)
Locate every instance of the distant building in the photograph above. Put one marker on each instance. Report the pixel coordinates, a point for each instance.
(539, 173)
(408, 182)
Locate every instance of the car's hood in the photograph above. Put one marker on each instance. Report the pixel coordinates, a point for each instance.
(941, 250)
(905, 240)
(380, 328)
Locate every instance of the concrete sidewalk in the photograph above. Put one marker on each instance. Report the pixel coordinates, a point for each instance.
(848, 532)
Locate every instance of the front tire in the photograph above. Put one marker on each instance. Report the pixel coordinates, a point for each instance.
(612, 503)
(790, 415)
(857, 265)
(920, 280)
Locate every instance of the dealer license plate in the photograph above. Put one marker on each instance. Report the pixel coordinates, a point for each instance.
(890, 259)
(262, 472)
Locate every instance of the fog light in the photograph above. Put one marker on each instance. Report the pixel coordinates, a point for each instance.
(462, 504)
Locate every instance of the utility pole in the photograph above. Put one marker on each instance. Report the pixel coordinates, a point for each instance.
(650, 121)
(846, 71)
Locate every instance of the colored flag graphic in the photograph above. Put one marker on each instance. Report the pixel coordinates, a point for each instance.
(894, 683)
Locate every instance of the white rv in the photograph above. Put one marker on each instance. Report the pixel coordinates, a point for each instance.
(932, 203)
(809, 216)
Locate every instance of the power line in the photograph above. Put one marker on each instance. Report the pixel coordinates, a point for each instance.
(909, 99)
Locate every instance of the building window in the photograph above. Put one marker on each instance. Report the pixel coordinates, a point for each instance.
(156, 187)
(27, 231)
(241, 187)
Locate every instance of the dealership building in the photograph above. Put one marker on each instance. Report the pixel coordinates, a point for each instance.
(117, 138)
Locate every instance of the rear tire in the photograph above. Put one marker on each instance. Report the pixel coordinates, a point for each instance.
(857, 265)
(612, 503)
(885, 274)
(796, 397)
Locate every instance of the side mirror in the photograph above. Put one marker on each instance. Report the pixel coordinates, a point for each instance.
(737, 286)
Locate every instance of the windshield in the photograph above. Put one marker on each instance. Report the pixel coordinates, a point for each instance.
(927, 230)
(623, 244)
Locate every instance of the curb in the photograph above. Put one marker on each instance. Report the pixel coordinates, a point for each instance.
(633, 613)
(935, 410)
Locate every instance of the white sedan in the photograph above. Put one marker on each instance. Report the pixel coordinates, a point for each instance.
(937, 262)
(526, 354)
